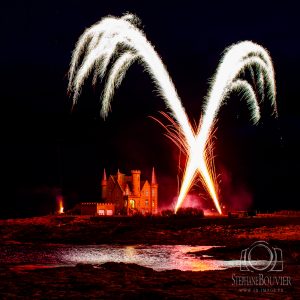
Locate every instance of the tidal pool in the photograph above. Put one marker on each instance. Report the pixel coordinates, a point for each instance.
(157, 257)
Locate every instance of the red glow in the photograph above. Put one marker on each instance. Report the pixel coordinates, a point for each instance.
(60, 204)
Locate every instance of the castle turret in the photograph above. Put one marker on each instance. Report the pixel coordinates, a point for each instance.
(153, 177)
(104, 186)
(154, 192)
(136, 182)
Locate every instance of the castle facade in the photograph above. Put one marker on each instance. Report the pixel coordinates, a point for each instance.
(129, 193)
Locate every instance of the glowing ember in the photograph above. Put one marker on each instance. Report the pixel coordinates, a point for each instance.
(117, 42)
(60, 203)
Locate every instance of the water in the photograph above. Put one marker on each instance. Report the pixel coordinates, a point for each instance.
(157, 257)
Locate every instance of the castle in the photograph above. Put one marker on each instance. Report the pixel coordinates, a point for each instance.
(129, 194)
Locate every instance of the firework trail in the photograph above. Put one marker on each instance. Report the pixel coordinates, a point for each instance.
(236, 60)
(120, 37)
(117, 42)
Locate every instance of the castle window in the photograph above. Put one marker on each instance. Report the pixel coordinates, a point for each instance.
(132, 204)
(152, 203)
(153, 192)
(146, 202)
(147, 193)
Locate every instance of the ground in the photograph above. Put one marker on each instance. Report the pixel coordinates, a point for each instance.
(129, 281)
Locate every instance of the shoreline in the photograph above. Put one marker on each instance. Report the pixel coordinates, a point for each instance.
(151, 231)
(131, 281)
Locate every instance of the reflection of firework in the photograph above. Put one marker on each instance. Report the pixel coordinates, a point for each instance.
(117, 42)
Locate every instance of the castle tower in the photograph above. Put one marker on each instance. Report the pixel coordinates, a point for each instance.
(154, 192)
(104, 186)
(136, 182)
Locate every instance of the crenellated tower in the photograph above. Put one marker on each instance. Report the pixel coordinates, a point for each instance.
(136, 182)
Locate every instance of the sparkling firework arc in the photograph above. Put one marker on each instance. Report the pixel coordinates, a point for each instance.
(102, 43)
(235, 61)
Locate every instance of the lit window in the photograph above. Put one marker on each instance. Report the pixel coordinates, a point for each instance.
(132, 203)
(153, 192)
(152, 203)
(147, 193)
(146, 202)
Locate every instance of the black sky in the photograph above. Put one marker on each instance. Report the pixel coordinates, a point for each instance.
(45, 147)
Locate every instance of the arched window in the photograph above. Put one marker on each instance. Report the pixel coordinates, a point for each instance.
(132, 204)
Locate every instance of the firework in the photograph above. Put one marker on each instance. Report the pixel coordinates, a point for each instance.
(118, 42)
(236, 60)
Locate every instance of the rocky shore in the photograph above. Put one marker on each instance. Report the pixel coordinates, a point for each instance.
(149, 230)
(130, 281)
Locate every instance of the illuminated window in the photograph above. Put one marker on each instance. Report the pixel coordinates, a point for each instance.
(152, 203)
(101, 212)
(146, 202)
(153, 192)
(132, 204)
(147, 193)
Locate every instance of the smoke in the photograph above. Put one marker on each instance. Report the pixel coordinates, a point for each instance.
(193, 201)
(235, 194)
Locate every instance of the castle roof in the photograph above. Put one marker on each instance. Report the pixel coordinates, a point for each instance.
(125, 182)
(153, 177)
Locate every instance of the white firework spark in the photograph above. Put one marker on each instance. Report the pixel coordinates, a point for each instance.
(119, 42)
(110, 37)
(235, 61)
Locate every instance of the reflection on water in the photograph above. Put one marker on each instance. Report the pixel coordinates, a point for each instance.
(157, 257)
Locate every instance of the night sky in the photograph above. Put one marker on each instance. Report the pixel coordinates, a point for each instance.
(47, 149)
